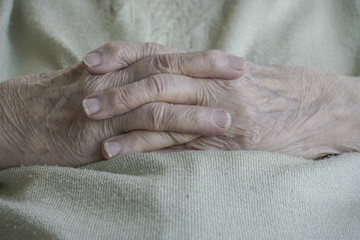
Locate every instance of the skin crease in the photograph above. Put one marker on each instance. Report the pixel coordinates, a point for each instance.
(38, 112)
(288, 109)
(293, 110)
(43, 121)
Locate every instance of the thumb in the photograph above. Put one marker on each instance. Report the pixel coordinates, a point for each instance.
(118, 55)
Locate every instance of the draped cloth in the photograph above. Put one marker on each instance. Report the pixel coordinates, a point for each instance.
(195, 194)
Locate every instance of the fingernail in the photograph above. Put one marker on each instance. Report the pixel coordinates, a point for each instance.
(92, 59)
(91, 105)
(112, 148)
(236, 63)
(222, 119)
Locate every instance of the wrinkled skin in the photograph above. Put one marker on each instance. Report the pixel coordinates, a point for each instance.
(288, 109)
(293, 110)
(43, 121)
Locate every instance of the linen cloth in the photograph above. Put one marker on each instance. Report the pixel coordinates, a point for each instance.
(186, 195)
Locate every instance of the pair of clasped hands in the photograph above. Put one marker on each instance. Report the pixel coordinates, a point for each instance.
(140, 97)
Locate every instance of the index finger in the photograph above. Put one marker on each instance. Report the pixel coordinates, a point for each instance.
(118, 55)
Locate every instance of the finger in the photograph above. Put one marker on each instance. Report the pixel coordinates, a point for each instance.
(210, 64)
(142, 141)
(216, 143)
(175, 118)
(172, 150)
(118, 55)
(206, 64)
(176, 148)
(157, 88)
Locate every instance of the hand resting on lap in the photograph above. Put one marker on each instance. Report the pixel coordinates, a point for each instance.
(288, 109)
(43, 122)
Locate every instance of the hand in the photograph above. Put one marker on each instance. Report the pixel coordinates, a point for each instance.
(293, 110)
(42, 120)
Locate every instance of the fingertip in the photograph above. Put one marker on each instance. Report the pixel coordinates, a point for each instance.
(103, 151)
(91, 106)
(222, 120)
(235, 62)
(237, 66)
(84, 104)
(235, 74)
(98, 63)
(92, 59)
(111, 149)
(228, 121)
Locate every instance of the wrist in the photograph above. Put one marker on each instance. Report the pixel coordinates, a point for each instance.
(346, 117)
(8, 155)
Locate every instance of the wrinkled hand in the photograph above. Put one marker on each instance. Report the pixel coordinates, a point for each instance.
(294, 110)
(42, 119)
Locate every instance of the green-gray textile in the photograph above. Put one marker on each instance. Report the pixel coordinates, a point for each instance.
(188, 195)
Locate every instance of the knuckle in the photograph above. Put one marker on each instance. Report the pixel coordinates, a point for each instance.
(164, 63)
(151, 47)
(126, 76)
(156, 85)
(194, 116)
(111, 46)
(144, 141)
(159, 114)
(214, 58)
(179, 138)
(120, 97)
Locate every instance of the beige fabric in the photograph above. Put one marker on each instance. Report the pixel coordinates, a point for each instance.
(202, 195)
(43, 35)
(192, 195)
